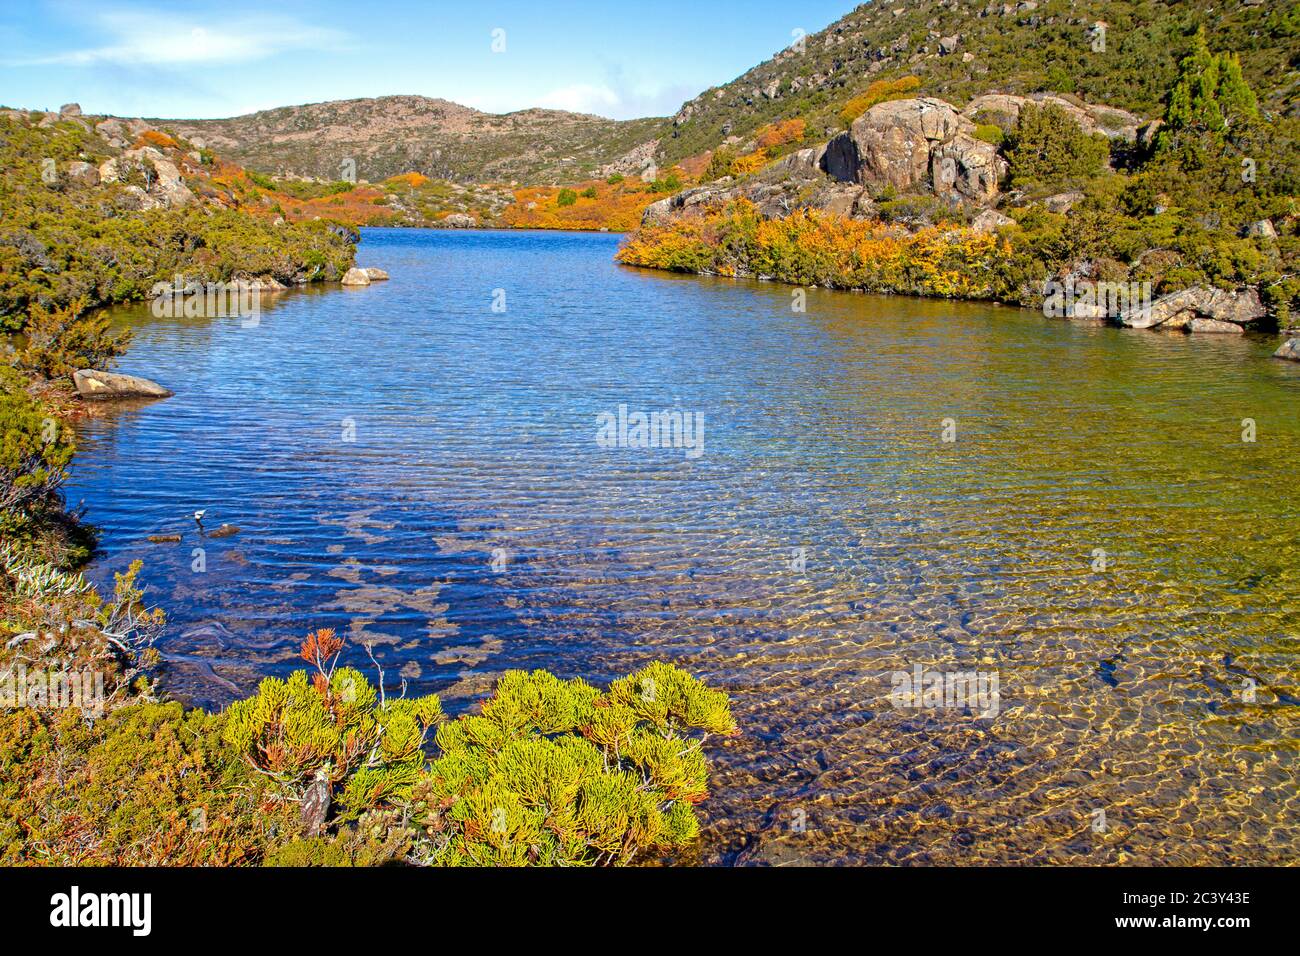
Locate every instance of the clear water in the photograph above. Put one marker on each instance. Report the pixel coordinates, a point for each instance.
(1123, 689)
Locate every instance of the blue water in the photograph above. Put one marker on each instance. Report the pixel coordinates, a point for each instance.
(423, 473)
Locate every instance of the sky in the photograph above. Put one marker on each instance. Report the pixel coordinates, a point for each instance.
(195, 60)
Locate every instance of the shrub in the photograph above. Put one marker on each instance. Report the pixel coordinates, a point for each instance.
(1048, 148)
(332, 730)
(589, 193)
(615, 179)
(566, 197)
(990, 133)
(878, 92)
(549, 772)
(35, 450)
(720, 163)
(62, 339)
(553, 772)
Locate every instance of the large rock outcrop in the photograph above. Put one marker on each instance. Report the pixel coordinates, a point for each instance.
(915, 144)
(1002, 109)
(1199, 309)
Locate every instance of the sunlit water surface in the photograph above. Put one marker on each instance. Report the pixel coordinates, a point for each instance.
(1124, 690)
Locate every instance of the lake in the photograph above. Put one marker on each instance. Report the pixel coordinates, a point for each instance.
(880, 487)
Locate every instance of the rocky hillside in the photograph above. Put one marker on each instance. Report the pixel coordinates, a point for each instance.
(96, 210)
(1122, 53)
(392, 135)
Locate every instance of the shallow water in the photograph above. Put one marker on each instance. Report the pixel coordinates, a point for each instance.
(1124, 676)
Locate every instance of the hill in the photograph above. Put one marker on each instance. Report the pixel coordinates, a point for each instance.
(959, 50)
(392, 135)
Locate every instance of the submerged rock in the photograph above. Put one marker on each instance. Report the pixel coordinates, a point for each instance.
(225, 531)
(104, 386)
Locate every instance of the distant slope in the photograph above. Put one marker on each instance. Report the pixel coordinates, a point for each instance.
(960, 49)
(398, 134)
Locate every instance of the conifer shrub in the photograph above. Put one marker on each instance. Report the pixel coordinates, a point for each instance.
(1047, 148)
(62, 339)
(35, 450)
(335, 728)
(549, 772)
(554, 772)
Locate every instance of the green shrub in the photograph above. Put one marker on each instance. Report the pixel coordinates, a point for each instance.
(1048, 149)
(566, 197)
(550, 772)
(62, 339)
(35, 450)
(554, 772)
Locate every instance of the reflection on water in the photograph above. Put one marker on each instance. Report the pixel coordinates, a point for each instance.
(1098, 535)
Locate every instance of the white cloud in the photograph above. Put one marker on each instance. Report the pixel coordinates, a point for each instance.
(141, 39)
(582, 98)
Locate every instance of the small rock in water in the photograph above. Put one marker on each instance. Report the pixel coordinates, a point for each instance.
(355, 276)
(375, 275)
(225, 531)
(164, 538)
(1290, 349)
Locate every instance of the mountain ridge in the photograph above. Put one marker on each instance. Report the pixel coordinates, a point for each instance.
(436, 137)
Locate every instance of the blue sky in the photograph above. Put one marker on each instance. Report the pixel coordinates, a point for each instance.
(191, 59)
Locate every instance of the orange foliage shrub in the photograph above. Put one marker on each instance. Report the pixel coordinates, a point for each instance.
(773, 135)
(616, 207)
(413, 179)
(152, 137)
(750, 163)
(811, 247)
(878, 92)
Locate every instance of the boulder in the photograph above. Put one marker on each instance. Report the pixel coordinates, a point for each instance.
(1003, 109)
(966, 168)
(893, 140)
(375, 275)
(1214, 325)
(170, 188)
(102, 386)
(460, 220)
(70, 109)
(688, 201)
(1290, 349)
(989, 220)
(1062, 203)
(840, 159)
(1199, 309)
(916, 144)
(135, 198)
(355, 276)
(1263, 229)
(83, 174)
(113, 131)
